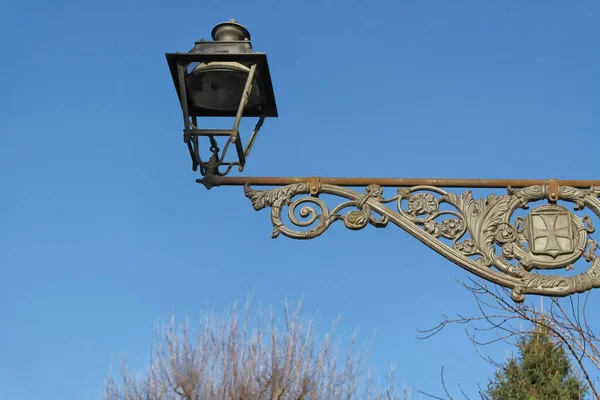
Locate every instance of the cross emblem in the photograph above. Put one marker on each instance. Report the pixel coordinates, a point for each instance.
(551, 232)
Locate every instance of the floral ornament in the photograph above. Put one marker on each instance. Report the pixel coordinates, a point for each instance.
(432, 227)
(526, 264)
(505, 233)
(356, 220)
(590, 255)
(467, 247)
(375, 191)
(452, 227)
(422, 203)
(508, 250)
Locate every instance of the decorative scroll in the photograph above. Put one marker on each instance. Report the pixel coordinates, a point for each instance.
(483, 236)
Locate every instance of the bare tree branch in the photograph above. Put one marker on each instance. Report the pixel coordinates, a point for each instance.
(233, 359)
(565, 321)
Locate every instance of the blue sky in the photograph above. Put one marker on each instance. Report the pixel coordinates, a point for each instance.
(104, 229)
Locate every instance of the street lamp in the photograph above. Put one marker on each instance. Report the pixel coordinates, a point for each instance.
(222, 78)
(225, 78)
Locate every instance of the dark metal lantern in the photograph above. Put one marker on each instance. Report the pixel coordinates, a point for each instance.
(222, 78)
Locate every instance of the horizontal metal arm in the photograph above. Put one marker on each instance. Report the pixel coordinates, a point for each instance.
(395, 182)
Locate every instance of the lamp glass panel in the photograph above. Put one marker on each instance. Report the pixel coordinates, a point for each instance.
(219, 88)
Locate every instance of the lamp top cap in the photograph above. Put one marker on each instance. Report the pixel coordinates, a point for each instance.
(230, 31)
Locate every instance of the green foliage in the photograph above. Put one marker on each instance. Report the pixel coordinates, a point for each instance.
(542, 371)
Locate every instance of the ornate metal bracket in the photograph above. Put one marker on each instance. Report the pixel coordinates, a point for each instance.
(484, 236)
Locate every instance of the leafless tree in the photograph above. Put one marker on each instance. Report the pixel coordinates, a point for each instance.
(500, 319)
(232, 358)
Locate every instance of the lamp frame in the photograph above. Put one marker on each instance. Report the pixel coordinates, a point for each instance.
(258, 75)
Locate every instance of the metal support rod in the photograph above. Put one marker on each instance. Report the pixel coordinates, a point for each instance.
(183, 99)
(235, 138)
(245, 97)
(396, 182)
(253, 136)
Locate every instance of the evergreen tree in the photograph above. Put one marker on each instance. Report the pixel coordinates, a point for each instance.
(541, 371)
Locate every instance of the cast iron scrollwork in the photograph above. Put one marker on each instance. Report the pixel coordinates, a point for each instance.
(314, 210)
(483, 236)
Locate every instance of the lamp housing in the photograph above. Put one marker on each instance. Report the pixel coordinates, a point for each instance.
(222, 78)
